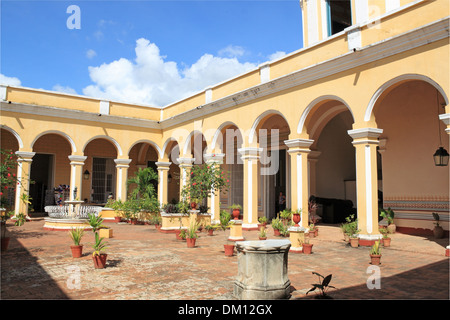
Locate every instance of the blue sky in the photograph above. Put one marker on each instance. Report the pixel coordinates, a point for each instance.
(145, 51)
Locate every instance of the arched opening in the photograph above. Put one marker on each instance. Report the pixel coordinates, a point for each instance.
(229, 141)
(9, 144)
(408, 112)
(100, 153)
(273, 185)
(172, 152)
(49, 170)
(332, 171)
(143, 155)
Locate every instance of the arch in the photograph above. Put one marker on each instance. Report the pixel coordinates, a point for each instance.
(15, 134)
(153, 144)
(113, 141)
(168, 141)
(65, 135)
(312, 104)
(259, 119)
(397, 80)
(188, 142)
(219, 131)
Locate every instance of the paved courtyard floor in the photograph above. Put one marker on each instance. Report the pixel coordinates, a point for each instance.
(144, 263)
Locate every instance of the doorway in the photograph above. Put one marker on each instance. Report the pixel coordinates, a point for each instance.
(41, 175)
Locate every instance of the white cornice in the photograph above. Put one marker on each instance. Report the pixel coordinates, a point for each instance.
(77, 115)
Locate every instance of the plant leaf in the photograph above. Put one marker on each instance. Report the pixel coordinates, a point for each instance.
(326, 280)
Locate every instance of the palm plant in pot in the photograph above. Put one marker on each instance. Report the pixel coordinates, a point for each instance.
(389, 214)
(191, 234)
(276, 225)
(352, 230)
(99, 246)
(438, 231)
(375, 253)
(225, 223)
(386, 240)
(77, 248)
(262, 234)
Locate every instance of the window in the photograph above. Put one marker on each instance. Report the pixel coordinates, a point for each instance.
(103, 179)
(339, 15)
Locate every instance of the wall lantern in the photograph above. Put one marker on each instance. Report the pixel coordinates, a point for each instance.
(86, 175)
(441, 155)
(169, 178)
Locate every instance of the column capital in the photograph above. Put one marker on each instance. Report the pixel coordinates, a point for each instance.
(185, 162)
(298, 145)
(250, 153)
(214, 157)
(25, 156)
(365, 135)
(77, 160)
(122, 163)
(163, 165)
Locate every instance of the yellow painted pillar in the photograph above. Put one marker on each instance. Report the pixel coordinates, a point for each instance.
(214, 199)
(76, 175)
(298, 150)
(24, 160)
(365, 141)
(122, 166)
(185, 165)
(163, 173)
(250, 157)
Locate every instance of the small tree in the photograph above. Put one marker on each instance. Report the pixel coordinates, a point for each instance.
(206, 179)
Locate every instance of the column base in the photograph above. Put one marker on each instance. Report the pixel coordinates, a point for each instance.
(368, 240)
(250, 227)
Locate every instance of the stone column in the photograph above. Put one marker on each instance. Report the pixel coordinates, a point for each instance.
(298, 150)
(365, 141)
(214, 199)
(24, 160)
(163, 173)
(122, 166)
(76, 175)
(250, 157)
(185, 165)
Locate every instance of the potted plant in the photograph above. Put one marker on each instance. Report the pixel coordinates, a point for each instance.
(307, 247)
(438, 231)
(285, 215)
(77, 248)
(375, 253)
(386, 240)
(225, 223)
(323, 286)
(296, 217)
(262, 221)
(276, 225)
(210, 229)
(4, 239)
(117, 205)
(98, 256)
(352, 230)
(236, 211)
(191, 234)
(312, 232)
(262, 234)
(389, 214)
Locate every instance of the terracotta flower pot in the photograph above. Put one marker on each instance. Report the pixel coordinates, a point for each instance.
(193, 205)
(311, 234)
(190, 242)
(375, 259)
(100, 260)
(354, 242)
(276, 232)
(262, 238)
(5, 243)
(236, 213)
(229, 249)
(296, 218)
(307, 248)
(391, 228)
(77, 251)
(177, 235)
(133, 221)
(210, 232)
(316, 232)
(386, 242)
(117, 219)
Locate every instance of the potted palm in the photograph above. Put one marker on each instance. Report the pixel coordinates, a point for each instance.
(386, 240)
(276, 225)
(262, 234)
(98, 256)
(77, 248)
(389, 214)
(375, 253)
(307, 247)
(191, 234)
(262, 221)
(352, 230)
(225, 223)
(438, 231)
(210, 229)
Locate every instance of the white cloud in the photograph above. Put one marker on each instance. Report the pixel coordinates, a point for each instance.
(277, 55)
(12, 81)
(63, 89)
(90, 53)
(149, 79)
(232, 51)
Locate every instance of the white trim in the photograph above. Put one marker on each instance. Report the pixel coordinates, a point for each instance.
(264, 72)
(208, 95)
(365, 132)
(3, 91)
(313, 30)
(250, 191)
(361, 11)
(392, 5)
(110, 139)
(403, 77)
(368, 172)
(104, 107)
(60, 133)
(150, 142)
(445, 118)
(14, 133)
(324, 18)
(299, 182)
(251, 136)
(354, 41)
(18, 189)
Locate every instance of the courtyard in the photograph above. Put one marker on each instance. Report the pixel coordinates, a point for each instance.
(146, 264)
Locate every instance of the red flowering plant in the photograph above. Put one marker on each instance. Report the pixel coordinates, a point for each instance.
(8, 176)
(204, 180)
